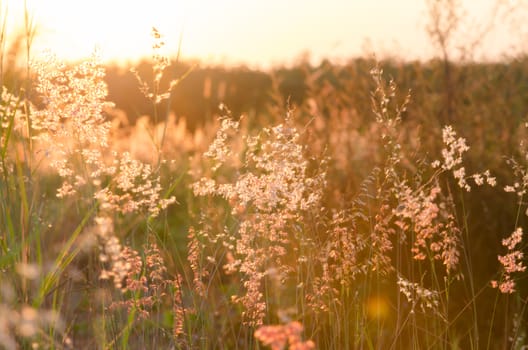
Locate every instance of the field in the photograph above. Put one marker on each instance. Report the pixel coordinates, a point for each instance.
(363, 205)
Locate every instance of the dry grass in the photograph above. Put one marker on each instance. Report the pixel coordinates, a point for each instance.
(343, 231)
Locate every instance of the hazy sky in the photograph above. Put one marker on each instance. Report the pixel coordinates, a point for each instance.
(255, 32)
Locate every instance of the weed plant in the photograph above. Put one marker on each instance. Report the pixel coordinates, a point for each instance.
(321, 229)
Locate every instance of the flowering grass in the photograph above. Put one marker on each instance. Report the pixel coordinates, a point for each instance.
(242, 235)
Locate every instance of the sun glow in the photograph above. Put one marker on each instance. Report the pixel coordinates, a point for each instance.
(259, 33)
(119, 30)
(230, 31)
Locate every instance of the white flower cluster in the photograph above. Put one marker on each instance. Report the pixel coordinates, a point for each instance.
(452, 161)
(418, 295)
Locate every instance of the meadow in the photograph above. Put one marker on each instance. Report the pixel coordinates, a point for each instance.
(363, 205)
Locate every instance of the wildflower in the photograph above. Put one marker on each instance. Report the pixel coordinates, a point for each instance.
(511, 262)
(277, 337)
(479, 181)
(271, 192)
(25, 322)
(161, 62)
(433, 227)
(490, 180)
(452, 161)
(144, 283)
(199, 273)
(72, 125)
(135, 188)
(452, 156)
(11, 113)
(509, 188)
(219, 151)
(418, 295)
(178, 309)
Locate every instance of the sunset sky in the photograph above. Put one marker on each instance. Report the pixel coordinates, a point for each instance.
(256, 33)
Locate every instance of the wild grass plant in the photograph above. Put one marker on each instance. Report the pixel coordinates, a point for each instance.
(322, 229)
(398, 232)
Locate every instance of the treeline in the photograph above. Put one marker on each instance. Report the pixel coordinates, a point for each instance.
(242, 90)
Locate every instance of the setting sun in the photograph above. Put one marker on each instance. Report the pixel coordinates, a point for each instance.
(72, 30)
(235, 31)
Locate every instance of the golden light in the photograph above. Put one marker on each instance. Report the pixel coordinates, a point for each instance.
(258, 33)
(231, 31)
(377, 307)
(120, 30)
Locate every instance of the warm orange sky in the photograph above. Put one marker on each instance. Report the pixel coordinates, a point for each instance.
(254, 32)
